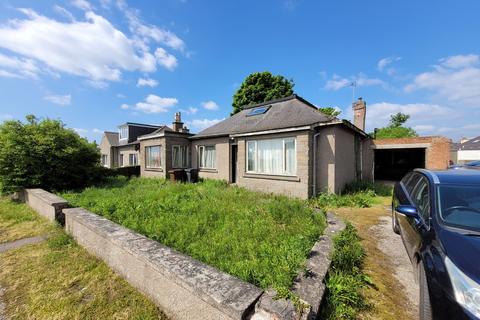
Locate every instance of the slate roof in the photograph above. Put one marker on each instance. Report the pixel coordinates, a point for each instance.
(112, 138)
(283, 113)
(472, 144)
(160, 130)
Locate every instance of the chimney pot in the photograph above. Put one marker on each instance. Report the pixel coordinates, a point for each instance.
(178, 124)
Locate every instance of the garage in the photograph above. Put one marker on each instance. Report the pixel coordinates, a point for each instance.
(393, 164)
(396, 156)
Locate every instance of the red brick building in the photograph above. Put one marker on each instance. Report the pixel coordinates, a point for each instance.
(395, 157)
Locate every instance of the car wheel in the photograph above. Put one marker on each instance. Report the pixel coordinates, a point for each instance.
(424, 306)
(395, 227)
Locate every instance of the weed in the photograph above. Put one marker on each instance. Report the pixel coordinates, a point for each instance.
(260, 238)
(346, 278)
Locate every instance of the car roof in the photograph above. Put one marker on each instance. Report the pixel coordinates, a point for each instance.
(457, 176)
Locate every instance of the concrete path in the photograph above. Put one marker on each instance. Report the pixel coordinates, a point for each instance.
(391, 245)
(20, 243)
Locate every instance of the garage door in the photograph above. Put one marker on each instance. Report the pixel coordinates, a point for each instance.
(393, 164)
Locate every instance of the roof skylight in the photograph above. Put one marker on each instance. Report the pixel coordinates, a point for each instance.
(258, 110)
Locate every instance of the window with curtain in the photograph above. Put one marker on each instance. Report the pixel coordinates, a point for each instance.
(121, 160)
(206, 157)
(180, 156)
(132, 159)
(272, 156)
(104, 159)
(153, 157)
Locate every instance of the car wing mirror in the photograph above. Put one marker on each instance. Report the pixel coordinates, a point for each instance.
(408, 211)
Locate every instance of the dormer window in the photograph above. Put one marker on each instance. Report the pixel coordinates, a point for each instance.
(123, 133)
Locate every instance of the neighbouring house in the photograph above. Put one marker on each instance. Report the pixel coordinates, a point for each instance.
(122, 149)
(285, 146)
(467, 150)
(165, 149)
(395, 157)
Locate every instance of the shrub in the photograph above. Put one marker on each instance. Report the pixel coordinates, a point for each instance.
(378, 188)
(346, 278)
(45, 154)
(363, 199)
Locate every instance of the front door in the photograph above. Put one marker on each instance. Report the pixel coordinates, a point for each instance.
(233, 164)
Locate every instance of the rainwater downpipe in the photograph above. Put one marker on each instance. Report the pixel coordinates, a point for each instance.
(315, 163)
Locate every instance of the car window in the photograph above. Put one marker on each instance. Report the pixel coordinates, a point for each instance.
(421, 198)
(412, 182)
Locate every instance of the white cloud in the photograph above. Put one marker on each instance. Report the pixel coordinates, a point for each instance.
(387, 61)
(80, 131)
(147, 82)
(64, 100)
(210, 105)
(190, 110)
(92, 48)
(155, 104)
(97, 131)
(201, 124)
(121, 96)
(423, 127)
(361, 80)
(124, 106)
(165, 59)
(455, 79)
(82, 4)
(64, 12)
(13, 67)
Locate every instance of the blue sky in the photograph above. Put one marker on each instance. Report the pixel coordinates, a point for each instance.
(97, 64)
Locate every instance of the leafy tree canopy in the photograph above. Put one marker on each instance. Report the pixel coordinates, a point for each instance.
(259, 87)
(330, 111)
(396, 129)
(43, 153)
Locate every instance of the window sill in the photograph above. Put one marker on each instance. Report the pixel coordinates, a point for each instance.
(154, 169)
(208, 170)
(271, 177)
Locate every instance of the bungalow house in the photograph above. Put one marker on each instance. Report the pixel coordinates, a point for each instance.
(284, 146)
(466, 151)
(119, 149)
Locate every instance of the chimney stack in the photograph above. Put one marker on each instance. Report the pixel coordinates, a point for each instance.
(178, 124)
(359, 113)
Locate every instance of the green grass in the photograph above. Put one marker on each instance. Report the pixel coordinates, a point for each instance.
(260, 238)
(18, 221)
(57, 279)
(346, 278)
(361, 194)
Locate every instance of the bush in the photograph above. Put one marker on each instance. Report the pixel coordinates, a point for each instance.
(359, 186)
(45, 154)
(346, 278)
(362, 199)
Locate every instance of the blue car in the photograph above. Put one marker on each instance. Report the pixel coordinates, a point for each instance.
(437, 214)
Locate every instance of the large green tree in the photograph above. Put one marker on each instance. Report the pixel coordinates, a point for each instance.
(259, 87)
(45, 154)
(396, 128)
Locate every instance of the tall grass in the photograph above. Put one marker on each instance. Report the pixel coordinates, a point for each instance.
(260, 238)
(346, 279)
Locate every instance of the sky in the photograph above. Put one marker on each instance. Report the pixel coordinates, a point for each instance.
(98, 64)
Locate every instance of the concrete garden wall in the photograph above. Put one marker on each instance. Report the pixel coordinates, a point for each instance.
(45, 203)
(181, 286)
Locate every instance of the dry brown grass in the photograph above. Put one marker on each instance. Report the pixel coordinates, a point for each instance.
(58, 279)
(18, 221)
(387, 298)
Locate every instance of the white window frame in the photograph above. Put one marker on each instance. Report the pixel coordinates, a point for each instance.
(185, 159)
(104, 160)
(201, 161)
(135, 157)
(120, 160)
(123, 133)
(147, 153)
(284, 155)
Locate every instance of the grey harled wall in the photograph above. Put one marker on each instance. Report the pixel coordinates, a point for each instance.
(45, 203)
(183, 287)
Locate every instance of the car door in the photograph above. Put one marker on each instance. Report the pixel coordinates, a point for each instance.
(415, 228)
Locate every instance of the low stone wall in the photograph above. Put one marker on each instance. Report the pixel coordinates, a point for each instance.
(181, 286)
(184, 288)
(45, 203)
